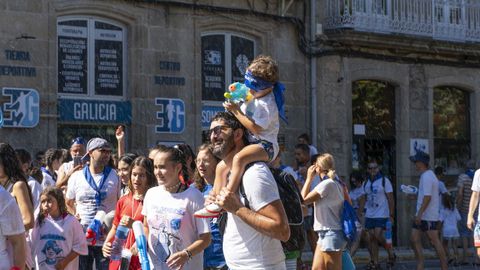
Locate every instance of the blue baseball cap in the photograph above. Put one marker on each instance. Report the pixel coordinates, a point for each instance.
(420, 156)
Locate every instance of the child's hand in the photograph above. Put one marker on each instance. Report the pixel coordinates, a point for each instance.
(107, 249)
(119, 133)
(231, 106)
(311, 171)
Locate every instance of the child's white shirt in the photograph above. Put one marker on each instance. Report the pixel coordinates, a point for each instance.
(450, 219)
(264, 113)
(55, 239)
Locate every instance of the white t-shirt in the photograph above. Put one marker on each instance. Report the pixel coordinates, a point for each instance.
(11, 223)
(172, 226)
(55, 239)
(376, 199)
(429, 187)
(36, 189)
(450, 219)
(264, 112)
(84, 195)
(243, 246)
(313, 150)
(328, 209)
(47, 180)
(476, 185)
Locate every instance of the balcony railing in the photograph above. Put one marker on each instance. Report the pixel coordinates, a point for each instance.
(452, 20)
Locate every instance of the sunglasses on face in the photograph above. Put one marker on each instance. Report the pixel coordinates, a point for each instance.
(372, 167)
(217, 130)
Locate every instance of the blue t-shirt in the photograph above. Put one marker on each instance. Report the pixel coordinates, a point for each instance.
(213, 254)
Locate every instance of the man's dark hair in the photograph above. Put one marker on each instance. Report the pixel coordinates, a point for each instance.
(305, 137)
(231, 121)
(304, 147)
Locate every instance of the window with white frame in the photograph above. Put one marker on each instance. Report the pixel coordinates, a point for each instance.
(91, 57)
(225, 57)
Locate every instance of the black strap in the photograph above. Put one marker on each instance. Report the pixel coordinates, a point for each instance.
(242, 189)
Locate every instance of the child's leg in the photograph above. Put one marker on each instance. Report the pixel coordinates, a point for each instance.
(455, 248)
(221, 172)
(445, 247)
(249, 154)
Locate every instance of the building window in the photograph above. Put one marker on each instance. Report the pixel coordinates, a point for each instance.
(91, 57)
(225, 58)
(451, 125)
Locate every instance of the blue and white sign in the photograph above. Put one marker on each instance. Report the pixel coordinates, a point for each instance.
(171, 115)
(418, 145)
(98, 111)
(208, 111)
(23, 108)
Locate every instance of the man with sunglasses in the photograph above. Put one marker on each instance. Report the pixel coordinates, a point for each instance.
(252, 234)
(377, 197)
(96, 187)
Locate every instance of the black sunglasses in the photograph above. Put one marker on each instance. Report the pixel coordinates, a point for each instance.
(217, 130)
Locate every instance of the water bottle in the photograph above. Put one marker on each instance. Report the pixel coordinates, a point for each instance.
(118, 242)
(388, 234)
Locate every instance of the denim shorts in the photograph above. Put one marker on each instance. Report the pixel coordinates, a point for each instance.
(331, 240)
(268, 147)
(426, 225)
(372, 223)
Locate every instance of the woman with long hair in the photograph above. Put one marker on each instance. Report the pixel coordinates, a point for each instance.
(327, 198)
(129, 208)
(52, 160)
(176, 238)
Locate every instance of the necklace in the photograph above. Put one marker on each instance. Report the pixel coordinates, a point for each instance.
(140, 200)
(172, 188)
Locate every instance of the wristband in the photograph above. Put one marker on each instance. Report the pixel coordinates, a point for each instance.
(189, 254)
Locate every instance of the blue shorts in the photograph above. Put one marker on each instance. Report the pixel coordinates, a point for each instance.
(426, 225)
(331, 240)
(462, 226)
(268, 147)
(372, 223)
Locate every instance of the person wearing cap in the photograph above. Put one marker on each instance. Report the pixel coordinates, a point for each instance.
(77, 150)
(427, 214)
(96, 187)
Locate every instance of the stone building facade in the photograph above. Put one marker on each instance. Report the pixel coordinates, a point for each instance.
(81, 67)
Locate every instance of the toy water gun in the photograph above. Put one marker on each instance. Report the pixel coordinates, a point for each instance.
(238, 92)
(141, 242)
(409, 189)
(94, 230)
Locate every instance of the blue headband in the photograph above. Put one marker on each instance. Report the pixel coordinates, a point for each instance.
(257, 84)
(78, 140)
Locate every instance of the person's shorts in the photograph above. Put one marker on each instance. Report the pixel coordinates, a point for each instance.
(331, 240)
(476, 235)
(426, 225)
(372, 223)
(308, 223)
(462, 226)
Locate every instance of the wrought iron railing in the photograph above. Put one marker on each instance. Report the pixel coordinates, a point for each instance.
(452, 20)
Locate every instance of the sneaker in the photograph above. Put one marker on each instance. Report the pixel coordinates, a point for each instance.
(209, 211)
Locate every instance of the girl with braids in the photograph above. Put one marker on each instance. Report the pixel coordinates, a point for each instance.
(14, 181)
(176, 239)
(57, 237)
(52, 160)
(129, 208)
(327, 198)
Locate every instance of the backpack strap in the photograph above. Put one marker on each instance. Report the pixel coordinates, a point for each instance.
(242, 189)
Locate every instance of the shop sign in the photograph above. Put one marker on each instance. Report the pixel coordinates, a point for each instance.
(170, 115)
(23, 108)
(101, 111)
(208, 111)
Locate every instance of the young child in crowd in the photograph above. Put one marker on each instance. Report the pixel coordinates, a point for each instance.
(260, 118)
(449, 215)
(58, 238)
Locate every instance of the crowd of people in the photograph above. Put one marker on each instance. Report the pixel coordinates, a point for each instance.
(215, 208)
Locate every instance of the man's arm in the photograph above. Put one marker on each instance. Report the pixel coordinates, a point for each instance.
(423, 207)
(71, 206)
(391, 205)
(270, 220)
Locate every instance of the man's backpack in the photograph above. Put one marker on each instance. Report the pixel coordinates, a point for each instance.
(292, 203)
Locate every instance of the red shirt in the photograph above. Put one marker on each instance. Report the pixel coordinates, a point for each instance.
(127, 206)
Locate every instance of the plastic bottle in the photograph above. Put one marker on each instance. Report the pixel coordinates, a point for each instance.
(388, 234)
(118, 242)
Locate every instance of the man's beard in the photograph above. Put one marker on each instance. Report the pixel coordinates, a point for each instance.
(221, 150)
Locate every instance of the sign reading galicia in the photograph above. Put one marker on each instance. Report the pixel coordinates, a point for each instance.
(23, 108)
(171, 115)
(95, 111)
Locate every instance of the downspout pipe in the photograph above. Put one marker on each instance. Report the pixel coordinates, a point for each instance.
(313, 74)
